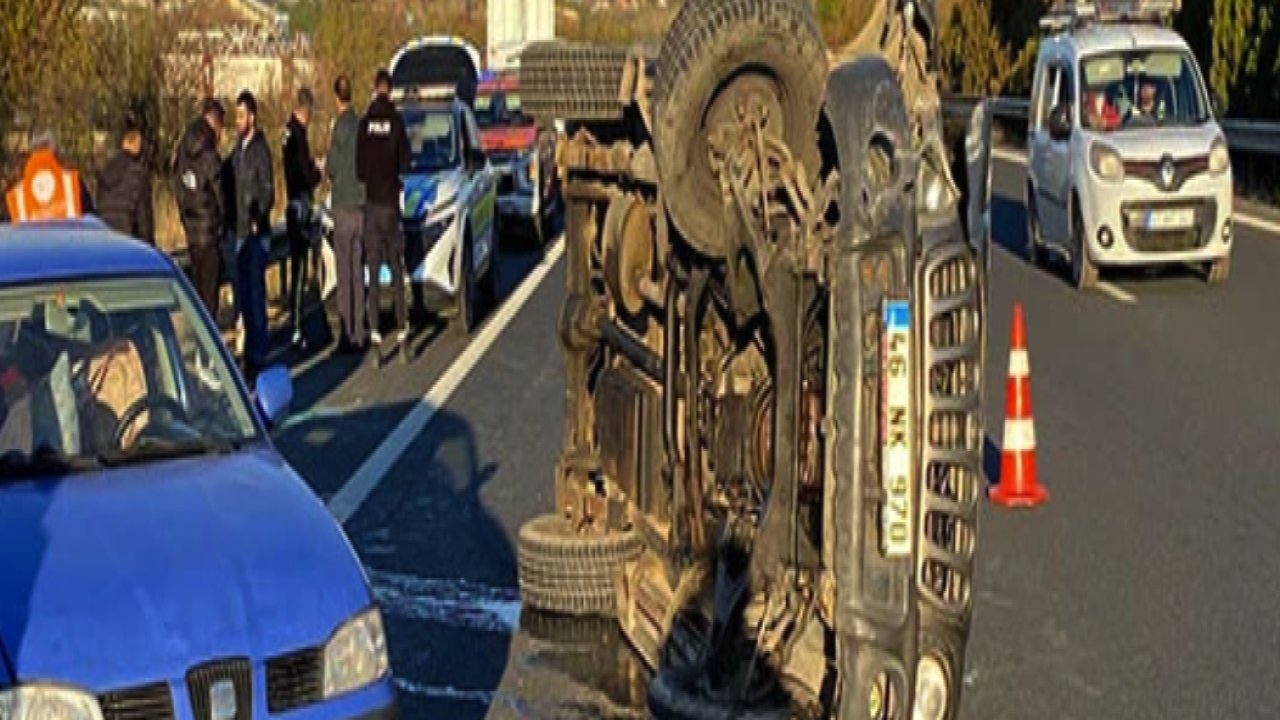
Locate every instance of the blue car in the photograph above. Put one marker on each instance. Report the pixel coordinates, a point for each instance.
(158, 558)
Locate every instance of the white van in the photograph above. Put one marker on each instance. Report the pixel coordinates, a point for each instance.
(1128, 165)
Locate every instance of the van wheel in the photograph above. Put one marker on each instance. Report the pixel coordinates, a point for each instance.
(564, 571)
(1219, 270)
(1084, 274)
(1035, 234)
(716, 55)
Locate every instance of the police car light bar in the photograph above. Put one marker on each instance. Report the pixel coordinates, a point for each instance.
(1067, 14)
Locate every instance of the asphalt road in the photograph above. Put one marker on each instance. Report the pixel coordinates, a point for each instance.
(1144, 589)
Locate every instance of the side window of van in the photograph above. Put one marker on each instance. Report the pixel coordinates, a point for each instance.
(1046, 95)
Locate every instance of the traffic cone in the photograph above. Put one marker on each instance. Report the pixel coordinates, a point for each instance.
(1018, 487)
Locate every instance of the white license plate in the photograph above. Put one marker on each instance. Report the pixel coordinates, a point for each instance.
(896, 432)
(1170, 219)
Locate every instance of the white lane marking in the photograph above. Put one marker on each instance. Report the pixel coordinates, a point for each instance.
(362, 483)
(1116, 292)
(453, 603)
(1019, 157)
(320, 412)
(1258, 223)
(480, 697)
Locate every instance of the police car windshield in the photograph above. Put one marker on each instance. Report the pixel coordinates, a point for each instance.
(1141, 89)
(433, 138)
(111, 372)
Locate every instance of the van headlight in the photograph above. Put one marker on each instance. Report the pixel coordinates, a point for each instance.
(42, 702)
(1219, 157)
(356, 655)
(1106, 163)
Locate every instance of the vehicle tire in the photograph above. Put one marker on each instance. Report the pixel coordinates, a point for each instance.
(1084, 274)
(568, 630)
(772, 46)
(1218, 271)
(568, 81)
(1035, 233)
(563, 571)
(468, 293)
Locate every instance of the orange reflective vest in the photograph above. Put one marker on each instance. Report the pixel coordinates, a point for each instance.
(47, 191)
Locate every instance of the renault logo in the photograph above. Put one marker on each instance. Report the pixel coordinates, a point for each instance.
(222, 700)
(1168, 173)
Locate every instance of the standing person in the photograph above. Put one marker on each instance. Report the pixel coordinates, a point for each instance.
(301, 177)
(348, 219)
(124, 187)
(254, 198)
(382, 156)
(200, 201)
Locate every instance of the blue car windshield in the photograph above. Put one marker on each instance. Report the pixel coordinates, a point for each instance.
(111, 372)
(433, 139)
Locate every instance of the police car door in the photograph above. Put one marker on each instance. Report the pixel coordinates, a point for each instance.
(482, 187)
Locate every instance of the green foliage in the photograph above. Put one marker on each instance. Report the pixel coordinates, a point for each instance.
(976, 57)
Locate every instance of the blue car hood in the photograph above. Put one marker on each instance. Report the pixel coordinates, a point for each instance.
(130, 576)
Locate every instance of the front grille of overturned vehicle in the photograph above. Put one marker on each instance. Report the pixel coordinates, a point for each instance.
(953, 435)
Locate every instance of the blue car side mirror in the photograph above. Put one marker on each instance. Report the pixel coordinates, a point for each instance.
(274, 390)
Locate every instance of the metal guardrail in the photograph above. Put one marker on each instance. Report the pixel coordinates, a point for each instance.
(1250, 136)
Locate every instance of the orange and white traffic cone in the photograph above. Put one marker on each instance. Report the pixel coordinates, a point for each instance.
(1018, 487)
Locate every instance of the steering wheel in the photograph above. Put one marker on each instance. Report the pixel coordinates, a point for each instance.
(140, 406)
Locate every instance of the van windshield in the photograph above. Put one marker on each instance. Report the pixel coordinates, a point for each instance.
(1140, 89)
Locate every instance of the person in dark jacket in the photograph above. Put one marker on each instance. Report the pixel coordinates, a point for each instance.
(301, 177)
(254, 197)
(382, 156)
(124, 188)
(348, 219)
(198, 188)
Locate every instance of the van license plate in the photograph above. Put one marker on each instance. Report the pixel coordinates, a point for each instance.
(1170, 219)
(896, 432)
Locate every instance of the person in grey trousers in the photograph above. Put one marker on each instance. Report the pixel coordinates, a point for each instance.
(348, 220)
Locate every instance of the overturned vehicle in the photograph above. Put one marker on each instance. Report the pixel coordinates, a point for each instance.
(774, 332)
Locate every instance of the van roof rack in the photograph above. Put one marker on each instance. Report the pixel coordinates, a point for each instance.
(1071, 14)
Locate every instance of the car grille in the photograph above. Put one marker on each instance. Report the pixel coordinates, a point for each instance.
(148, 702)
(1152, 171)
(202, 679)
(953, 433)
(294, 680)
(1156, 241)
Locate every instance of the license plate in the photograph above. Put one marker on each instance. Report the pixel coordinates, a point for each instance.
(1170, 219)
(896, 432)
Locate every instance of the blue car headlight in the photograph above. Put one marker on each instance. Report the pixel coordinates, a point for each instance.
(356, 655)
(45, 702)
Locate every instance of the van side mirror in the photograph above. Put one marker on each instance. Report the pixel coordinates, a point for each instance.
(1060, 123)
(274, 394)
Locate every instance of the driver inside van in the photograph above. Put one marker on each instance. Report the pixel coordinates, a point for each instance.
(1147, 108)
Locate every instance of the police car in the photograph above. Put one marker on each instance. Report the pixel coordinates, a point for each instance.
(1128, 165)
(449, 201)
(160, 558)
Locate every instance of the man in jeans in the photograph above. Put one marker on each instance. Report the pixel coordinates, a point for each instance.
(382, 156)
(301, 177)
(348, 220)
(254, 197)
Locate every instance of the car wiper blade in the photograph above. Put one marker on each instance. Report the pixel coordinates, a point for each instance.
(43, 462)
(151, 450)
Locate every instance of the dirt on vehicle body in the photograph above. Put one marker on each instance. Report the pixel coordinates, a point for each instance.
(774, 332)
